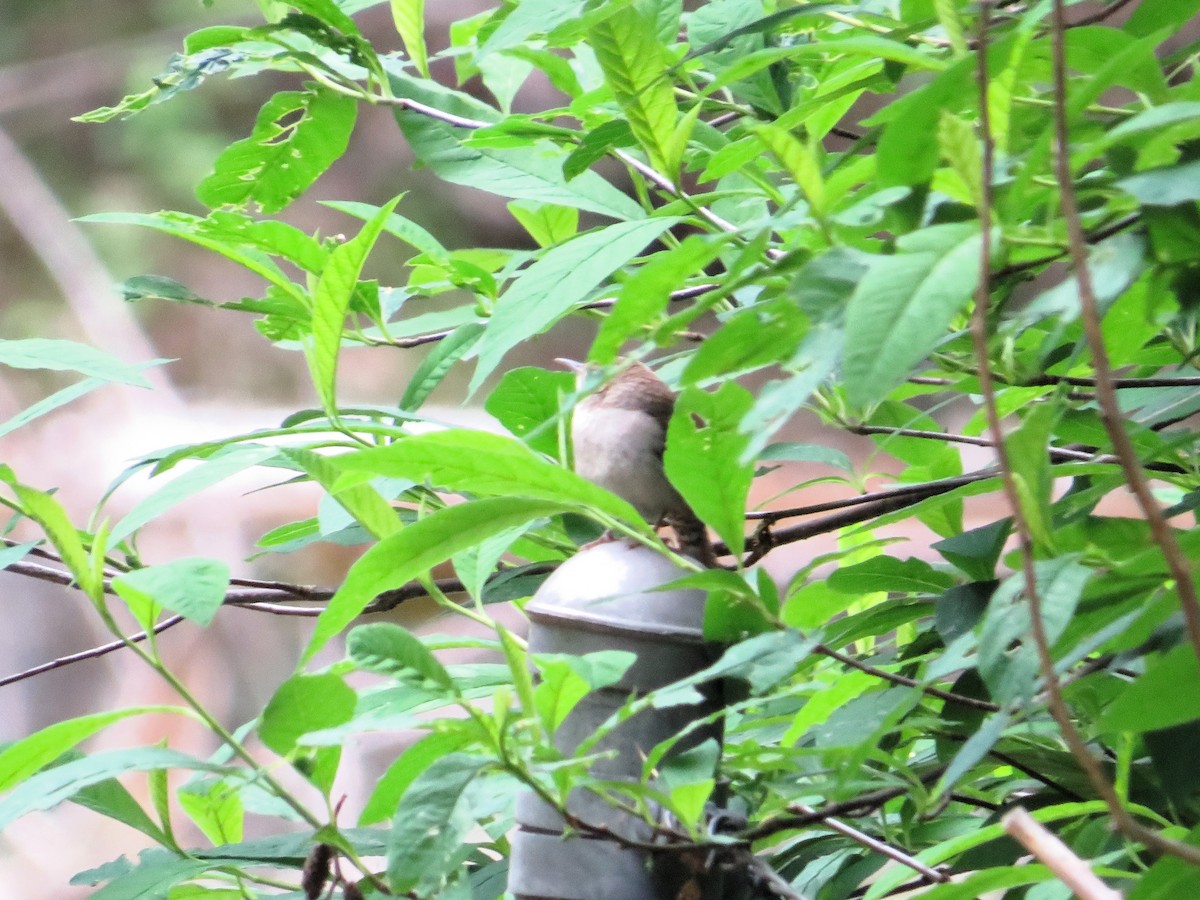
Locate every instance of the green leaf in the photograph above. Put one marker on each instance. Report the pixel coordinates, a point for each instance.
(1012, 675)
(221, 465)
(297, 136)
(49, 514)
(409, 17)
(903, 305)
(428, 840)
(983, 738)
(526, 19)
(960, 147)
(528, 402)
(1168, 694)
(302, 704)
(48, 788)
(546, 223)
(533, 173)
(68, 356)
(635, 69)
(216, 808)
(749, 339)
(438, 363)
(481, 463)
(414, 550)
(553, 285)
(703, 458)
(800, 162)
(194, 588)
(1165, 187)
(811, 453)
(408, 766)
(645, 295)
(388, 649)
(23, 758)
(886, 573)
(362, 501)
(1170, 877)
(331, 302)
(329, 12)
(202, 233)
(395, 224)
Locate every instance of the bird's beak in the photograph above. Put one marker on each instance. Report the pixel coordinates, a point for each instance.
(574, 365)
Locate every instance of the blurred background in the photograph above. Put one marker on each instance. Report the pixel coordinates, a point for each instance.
(61, 58)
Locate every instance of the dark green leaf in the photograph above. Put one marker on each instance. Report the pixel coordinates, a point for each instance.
(528, 402)
(1167, 695)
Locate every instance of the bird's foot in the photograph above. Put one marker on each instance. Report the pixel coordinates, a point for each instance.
(607, 538)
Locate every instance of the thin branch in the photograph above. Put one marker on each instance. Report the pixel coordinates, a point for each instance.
(885, 849)
(93, 653)
(1106, 394)
(800, 815)
(948, 696)
(1101, 15)
(1057, 705)
(1057, 856)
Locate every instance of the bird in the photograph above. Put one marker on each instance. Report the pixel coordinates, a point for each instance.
(618, 434)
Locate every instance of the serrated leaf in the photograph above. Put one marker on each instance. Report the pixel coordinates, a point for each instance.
(886, 573)
(388, 649)
(413, 551)
(800, 162)
(703, 458)
(362, 501)
(428, 839)
(559, 280)
(302, 704)
(960, 147)
(481, 463)
(194, 588)
(409, 17)
(50, 515)
(903, 305)
(635, 69)
(297, 136)
(331, 302)
(198, 231)
(48, 788)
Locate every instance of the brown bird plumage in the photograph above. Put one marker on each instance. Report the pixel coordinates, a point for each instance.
(619, 434)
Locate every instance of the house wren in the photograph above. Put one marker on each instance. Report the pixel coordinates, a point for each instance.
(619, 433)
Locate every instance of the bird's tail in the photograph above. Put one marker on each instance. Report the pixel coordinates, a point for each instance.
(692, 537)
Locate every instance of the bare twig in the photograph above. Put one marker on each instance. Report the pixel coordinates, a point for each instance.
(93, 653)
(800, 815)
(1106, 395)
(1056, 855)
(894, 853)
(948, 696)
